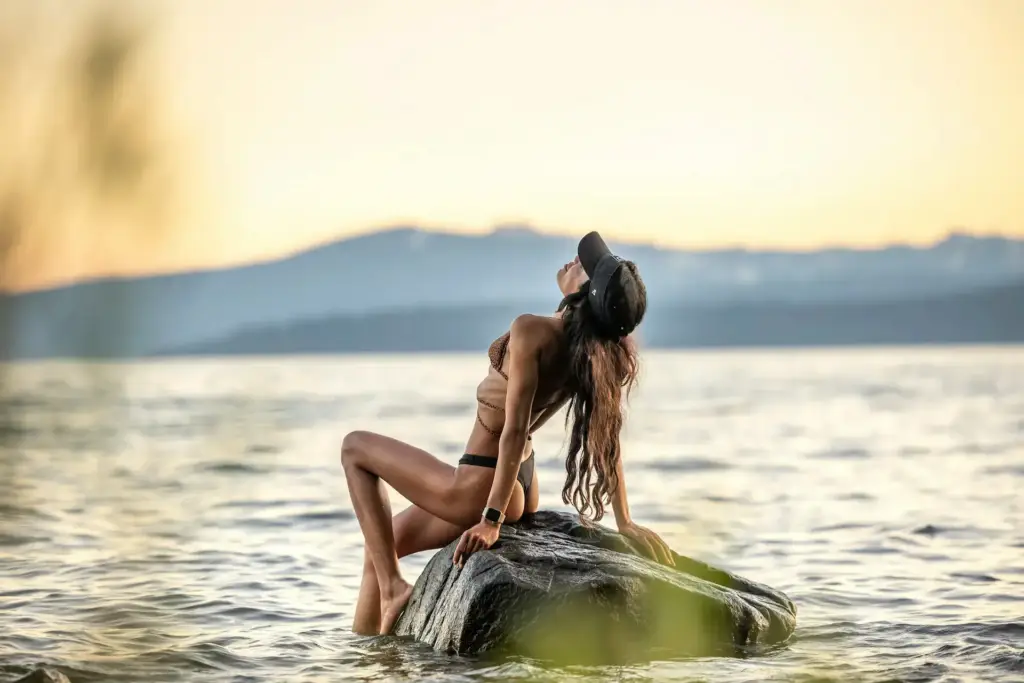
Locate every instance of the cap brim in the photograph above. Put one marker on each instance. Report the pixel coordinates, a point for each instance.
(591, 250)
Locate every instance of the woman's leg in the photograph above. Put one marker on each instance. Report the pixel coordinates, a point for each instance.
(415, 530)
(366, 620)
(424, 480)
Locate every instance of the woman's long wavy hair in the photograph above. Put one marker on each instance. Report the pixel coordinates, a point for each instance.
(603, 369)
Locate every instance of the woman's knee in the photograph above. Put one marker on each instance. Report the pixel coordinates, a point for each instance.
(354, 447)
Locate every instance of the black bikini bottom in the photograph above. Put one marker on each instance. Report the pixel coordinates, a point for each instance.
(525, 475)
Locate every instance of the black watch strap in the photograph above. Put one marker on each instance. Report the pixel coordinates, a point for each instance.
(493, 515)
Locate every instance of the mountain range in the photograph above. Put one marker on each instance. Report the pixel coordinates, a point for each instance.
(412, 289)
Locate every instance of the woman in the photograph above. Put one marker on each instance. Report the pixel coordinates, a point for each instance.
(582, 356)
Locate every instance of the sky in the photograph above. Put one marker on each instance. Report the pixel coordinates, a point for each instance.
(767, 123)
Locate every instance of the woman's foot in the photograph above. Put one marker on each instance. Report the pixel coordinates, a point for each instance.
(391, 606)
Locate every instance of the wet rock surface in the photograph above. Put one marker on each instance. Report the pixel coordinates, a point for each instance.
(556, 590)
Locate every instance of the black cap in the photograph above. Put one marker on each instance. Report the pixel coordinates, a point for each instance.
(607, 295)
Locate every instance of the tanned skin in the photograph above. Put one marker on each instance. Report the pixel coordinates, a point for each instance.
(447, 501)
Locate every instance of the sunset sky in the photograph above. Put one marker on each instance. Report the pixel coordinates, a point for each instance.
(688, 122)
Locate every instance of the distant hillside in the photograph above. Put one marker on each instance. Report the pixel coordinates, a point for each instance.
(407, 268)
(992, 315)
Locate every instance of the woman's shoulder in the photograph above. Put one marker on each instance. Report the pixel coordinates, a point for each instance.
(531, 333)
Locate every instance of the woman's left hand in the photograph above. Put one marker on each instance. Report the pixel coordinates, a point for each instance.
(480, 537)
(650, 542)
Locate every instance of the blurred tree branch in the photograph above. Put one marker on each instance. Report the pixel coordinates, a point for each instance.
(88, 163)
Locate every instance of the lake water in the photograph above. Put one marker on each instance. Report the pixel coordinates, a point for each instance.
(189, 521)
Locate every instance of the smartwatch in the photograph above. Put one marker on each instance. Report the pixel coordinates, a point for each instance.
(493, 516)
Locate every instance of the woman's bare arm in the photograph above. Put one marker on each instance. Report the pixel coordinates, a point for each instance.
(526, 338)
(620, 504)
(652, 543)
(524, 348)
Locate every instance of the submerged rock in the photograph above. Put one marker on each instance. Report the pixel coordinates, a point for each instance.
(555, 590)
(44, 675)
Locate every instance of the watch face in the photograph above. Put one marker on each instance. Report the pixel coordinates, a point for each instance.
(492, 515)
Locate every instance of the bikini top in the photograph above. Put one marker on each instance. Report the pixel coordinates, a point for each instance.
(490, 393)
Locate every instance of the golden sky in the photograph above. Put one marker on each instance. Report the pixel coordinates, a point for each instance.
(688, 122)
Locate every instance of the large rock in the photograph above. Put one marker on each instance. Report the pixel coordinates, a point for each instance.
(556, 590)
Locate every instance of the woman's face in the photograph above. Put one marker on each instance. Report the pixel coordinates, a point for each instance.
(571, 277)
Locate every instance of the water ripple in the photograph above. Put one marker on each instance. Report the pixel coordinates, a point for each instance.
(188, 521)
